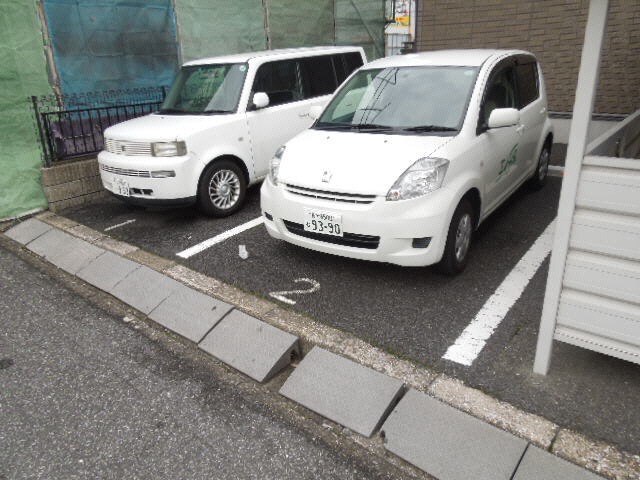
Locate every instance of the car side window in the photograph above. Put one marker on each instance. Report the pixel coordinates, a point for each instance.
(340, 66)
(500, 93)
(527, 78)
(318, 76)
(353, 61)
(279, 80)
(345, 64)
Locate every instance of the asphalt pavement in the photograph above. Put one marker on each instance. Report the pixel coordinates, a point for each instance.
(84, 394)
(414, 313)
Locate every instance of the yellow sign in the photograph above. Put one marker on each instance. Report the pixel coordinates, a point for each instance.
(403, 21)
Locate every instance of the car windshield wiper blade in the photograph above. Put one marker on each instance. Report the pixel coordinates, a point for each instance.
(429, 128)
(370, 126)
(213, 112)
(173, 110)
(334, 126)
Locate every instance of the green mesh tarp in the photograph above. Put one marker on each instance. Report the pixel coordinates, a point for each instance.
(300, 23)
(217, 27)
(361, 22)
(103, 45)
(23, 73)
(208, 28)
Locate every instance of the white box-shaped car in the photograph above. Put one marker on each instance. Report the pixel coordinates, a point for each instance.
(219, 126)
(410, 155)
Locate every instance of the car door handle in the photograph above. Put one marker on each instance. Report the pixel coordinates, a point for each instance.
(302, 115)
(520, 129)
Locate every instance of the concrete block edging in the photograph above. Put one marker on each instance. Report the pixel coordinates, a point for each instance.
(604, 459)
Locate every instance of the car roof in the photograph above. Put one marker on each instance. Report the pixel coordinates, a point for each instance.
(462, 58)
(282, 53)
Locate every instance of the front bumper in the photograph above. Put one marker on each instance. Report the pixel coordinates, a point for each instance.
(387, 228)
(143, 189)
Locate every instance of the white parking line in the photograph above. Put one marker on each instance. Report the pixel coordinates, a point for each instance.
(190, 252)
(119, 225)
(556, 171)
(473, 339)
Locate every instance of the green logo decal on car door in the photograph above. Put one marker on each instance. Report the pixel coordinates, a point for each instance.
(507, 163)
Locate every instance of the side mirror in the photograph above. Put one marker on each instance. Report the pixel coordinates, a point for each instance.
(315, 111)
(260, 100)
(503, 117)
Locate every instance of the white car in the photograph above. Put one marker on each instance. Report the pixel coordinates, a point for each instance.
(410, 155)
(219, 126)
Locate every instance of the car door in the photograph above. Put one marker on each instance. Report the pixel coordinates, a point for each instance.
(499, 145)
(284, 117)
(533, 112)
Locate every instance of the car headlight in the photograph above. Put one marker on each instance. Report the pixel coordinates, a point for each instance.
(424, 176)
(168, 149)
(274, 165)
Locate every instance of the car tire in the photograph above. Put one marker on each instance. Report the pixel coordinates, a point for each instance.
(222, 189)
(539, 177)
(456, 250)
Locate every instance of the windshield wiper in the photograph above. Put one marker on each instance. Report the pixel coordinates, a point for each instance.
(352, 126)
(370, 126)
(173, 110)
(429, 128)
(333, 126)
(213, 112)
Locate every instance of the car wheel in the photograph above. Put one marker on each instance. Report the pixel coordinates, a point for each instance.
(222, 189)
(539, 177)
(456, 250)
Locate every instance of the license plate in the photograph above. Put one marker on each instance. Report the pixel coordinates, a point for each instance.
(327, 223)
(121, 187)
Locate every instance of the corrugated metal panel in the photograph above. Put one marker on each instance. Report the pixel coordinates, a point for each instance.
(610, 189)
(604, 276)
(598, 344)
(608, 234)
(600, 316)
(599, 305)
(593, 288)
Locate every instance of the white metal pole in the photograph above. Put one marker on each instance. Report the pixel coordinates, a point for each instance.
(578, 137)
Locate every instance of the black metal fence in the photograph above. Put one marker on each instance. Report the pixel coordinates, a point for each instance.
(71, 126)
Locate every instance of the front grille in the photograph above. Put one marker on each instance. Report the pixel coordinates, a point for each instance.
(123, 147)
(333, 196)
(126, 171)
(370, 242)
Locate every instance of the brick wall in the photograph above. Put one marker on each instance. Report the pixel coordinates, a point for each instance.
(551, 29)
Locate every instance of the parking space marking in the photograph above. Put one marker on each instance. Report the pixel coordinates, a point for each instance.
(190, 252)
(556, 171)
(470, 343)
(315, 286)
(119, 225)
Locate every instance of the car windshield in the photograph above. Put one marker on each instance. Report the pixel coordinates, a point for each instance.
(205, 90)
(423, 99)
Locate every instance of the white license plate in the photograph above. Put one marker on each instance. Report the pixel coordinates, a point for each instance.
(327, 223)
(121, 187)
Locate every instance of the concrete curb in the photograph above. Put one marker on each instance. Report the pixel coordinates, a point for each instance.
(601, 458)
